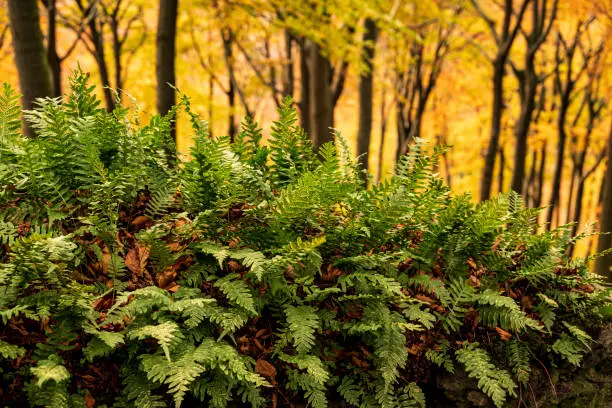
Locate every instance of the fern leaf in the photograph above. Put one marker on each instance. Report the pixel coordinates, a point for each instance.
(302, 323)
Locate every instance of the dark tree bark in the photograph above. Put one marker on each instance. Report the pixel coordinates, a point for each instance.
(227, 36)
(529, 194)
(502, 168)
(529, 79)
(304, 88)
(288, 76)
(366, 96)
(52, 57)
(504, 40)
(100, 56)
(321, 96)
(166, 56)
(29, 50)
(383, 132)
(603, 266)
(95, 25)
(537, 202)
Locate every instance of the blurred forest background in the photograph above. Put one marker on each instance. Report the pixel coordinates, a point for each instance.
(519, 88)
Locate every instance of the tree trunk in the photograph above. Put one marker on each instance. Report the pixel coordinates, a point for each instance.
(100, 56)
(117, 57)
(165, 57)
(522, 127)
(530, 185)
(556, 187)
(604, 264)
(52, 57)
(538, 194)
(383, 131)
(228, 51)
(321, 104)
(366, 96)
(288, 77)
(496, 116)
(305, 88)
(32, 66)
(502, 165)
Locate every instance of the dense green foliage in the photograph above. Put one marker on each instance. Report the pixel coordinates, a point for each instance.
(261, 274)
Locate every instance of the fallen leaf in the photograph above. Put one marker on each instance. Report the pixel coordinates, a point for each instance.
(90, 402)
(425, 299)
(527, 302)
(142, 221)
(505, 336)
(136, 259)
(472, 263)
(261, 332)
(265, 369)
(166, 277)
(174, 246)
(474, 281)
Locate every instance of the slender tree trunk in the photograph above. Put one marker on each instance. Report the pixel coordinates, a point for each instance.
(100, 56)
(228, 51)
(305, 88)
(383, 131)
(52, 57)
(577, 215)
(604, 264)
(288, 78)
(575, 174)
(502, 167)
(556, 186)
(496, 116)
(524, 122)
(117, 58)
(321, 103)
(447, 167)
(542, 168)
(29, 51)
(366, 96)
(211, 98)
(530, 186)
(166, 56)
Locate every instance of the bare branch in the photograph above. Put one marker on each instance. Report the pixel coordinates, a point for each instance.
(203, 63)
(259, 74)
(339, 78)
(490, 22)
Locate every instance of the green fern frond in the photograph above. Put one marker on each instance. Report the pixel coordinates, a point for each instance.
(302, 323)
(494, 382)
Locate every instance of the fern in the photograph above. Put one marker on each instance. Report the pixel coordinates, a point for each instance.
(166, 334)
(441, 358)
(460, 294)
(519, 357)
(51, 369)
(494, 382)
(572, 346)
(302, 323)
(10, 351)
(253, 269)
(237, 292)
(503, 311)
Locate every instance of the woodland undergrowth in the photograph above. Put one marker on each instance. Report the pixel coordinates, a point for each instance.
(262, 274)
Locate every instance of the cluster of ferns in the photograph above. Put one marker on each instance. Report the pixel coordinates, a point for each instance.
(259, 273)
